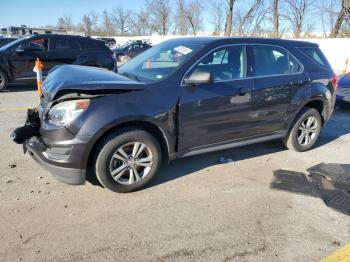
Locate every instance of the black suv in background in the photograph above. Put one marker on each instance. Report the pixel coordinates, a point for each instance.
(180, 98)
(130, 49)
(17, 58)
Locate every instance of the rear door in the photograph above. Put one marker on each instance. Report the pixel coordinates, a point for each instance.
(217, 112)
(277, 75)
(65, 50)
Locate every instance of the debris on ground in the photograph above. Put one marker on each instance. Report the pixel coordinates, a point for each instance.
(9, 181)
(12, 165)
(336, 243)
(40, 177)
(223, 160)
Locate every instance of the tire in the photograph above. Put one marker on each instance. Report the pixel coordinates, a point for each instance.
(295, 139)
(119, 57)
(128, 175)
(3, 80)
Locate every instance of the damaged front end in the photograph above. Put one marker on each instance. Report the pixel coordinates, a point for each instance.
(54, 133)
(30, 129)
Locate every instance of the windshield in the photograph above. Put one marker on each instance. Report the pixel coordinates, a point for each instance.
(160, 61)
(13, 43)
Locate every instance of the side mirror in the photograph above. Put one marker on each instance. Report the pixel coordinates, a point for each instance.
(199, 77)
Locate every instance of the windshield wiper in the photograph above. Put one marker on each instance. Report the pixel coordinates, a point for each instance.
(130, 76)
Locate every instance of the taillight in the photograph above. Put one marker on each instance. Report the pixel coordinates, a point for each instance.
(334, 81)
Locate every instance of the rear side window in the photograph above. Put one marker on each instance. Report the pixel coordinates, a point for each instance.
(87, 44)
(273, 60)
(316, 55)
(66, 44)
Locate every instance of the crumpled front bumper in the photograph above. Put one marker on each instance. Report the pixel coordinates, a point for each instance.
(37, 150)
(62, 161)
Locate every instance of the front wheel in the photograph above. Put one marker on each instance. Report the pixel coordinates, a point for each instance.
(3, 80)
(305, 130)
(127, 160)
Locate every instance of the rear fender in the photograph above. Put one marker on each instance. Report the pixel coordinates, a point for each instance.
(312, 92)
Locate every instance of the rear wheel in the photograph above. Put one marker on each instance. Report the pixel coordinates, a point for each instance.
(127, 160)
(305, 130)
(3, 80)
(119, 57)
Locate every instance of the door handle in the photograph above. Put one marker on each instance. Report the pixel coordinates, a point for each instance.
(296, 82)
(242, 91)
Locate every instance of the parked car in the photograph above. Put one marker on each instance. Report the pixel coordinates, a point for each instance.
(6, 40)
(110, 42)
(216, 93)
(343, 91)
(130, 49)
(17, 58)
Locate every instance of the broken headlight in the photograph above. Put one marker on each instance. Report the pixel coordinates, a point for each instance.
(65, 112)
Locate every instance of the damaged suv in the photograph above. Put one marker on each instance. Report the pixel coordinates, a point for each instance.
(180, 98)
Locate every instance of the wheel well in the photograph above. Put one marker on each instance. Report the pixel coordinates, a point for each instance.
(149, 127)
(318, 105)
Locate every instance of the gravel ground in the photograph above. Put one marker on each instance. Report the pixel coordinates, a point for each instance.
(196, 210)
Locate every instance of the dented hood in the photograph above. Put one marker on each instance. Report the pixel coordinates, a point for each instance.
(84, 79)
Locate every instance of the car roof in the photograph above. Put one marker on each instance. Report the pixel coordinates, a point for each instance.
(58, 35)
(239, 40)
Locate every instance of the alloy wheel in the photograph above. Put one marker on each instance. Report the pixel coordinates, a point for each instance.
(131, 163)
(307, 131)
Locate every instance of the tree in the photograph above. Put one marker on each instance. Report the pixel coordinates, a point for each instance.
(344, 13)
(193, 12)
(216, 10)
(296, 14)
(122, 20)
(275, 19)
(160, 13)
(249, 22)
(327, 10)
(88, 23)
(181, 18)
(66, 22)
(141, 23)
(107, 26)
(229, 17)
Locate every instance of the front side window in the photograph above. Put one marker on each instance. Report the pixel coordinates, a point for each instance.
(226, 63)
(39, 44)
(271, 60)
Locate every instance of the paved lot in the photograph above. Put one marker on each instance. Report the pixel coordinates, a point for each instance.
(196, 210)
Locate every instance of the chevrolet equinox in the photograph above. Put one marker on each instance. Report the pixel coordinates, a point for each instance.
(180, 98)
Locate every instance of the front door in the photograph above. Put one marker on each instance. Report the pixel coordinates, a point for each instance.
(217, 112)
(23, 61)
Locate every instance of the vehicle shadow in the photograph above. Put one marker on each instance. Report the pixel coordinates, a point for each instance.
(21, 87)
(185, 166)
(330, 182)
(336, 127)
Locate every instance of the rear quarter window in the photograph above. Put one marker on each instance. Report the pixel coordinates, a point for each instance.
(315, 54)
